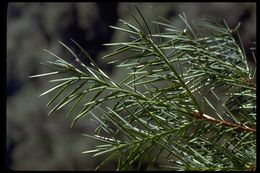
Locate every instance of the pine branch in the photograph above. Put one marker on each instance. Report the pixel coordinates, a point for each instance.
(167, 106)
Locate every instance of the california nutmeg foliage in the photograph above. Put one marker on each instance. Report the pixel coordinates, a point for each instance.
(188, 101)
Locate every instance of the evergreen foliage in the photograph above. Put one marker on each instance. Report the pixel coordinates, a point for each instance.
(189, 98)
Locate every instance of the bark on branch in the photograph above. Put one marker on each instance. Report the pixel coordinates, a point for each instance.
(201, 116)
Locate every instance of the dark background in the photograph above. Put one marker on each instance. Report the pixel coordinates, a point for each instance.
(38, 142)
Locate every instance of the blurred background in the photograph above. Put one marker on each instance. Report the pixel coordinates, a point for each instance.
(36, 141)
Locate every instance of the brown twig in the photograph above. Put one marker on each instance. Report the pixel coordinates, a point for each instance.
(250, 82)
(201, 116)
